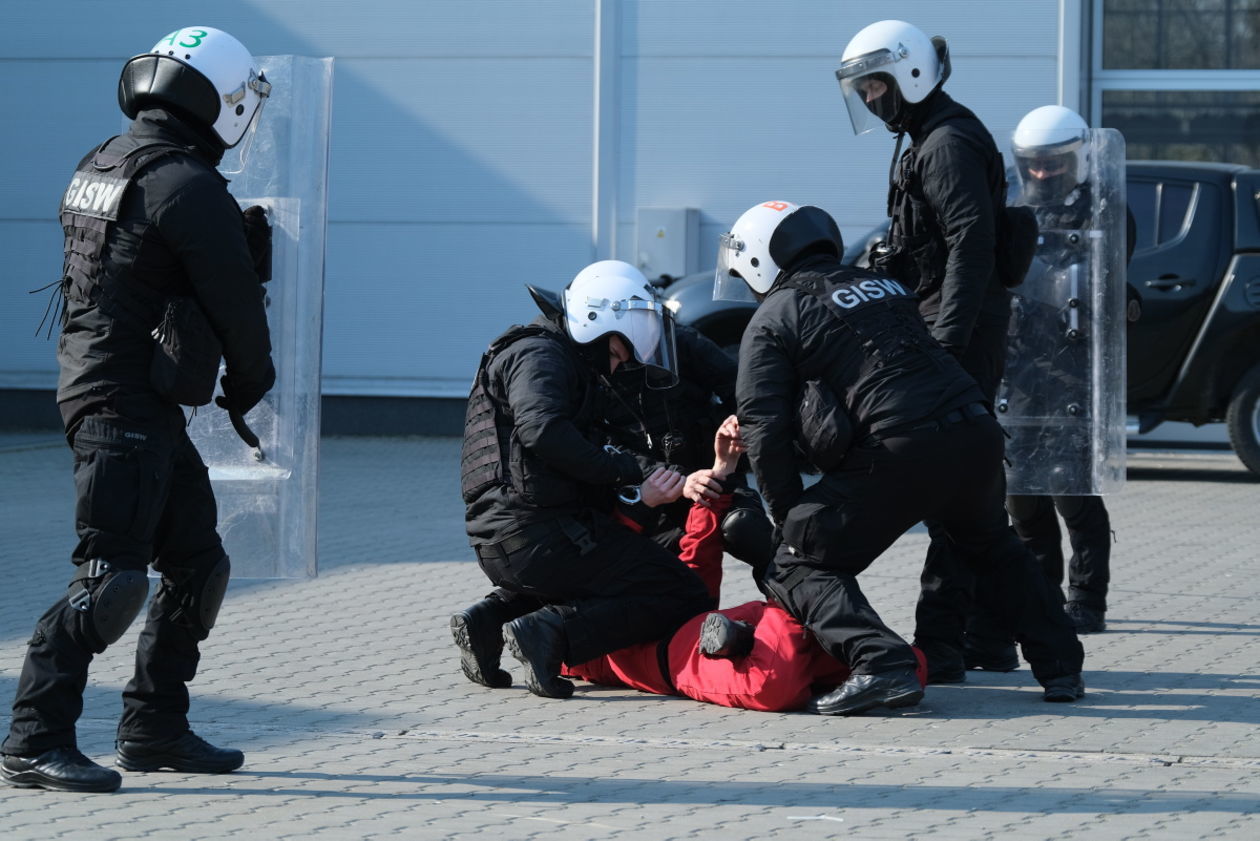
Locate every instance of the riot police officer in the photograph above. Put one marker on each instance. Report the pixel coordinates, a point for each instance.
(573, 584)
(923, 445)
(154, 244)
(1052, 151)
(944, 201)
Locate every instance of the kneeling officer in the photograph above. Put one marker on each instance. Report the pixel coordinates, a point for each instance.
(921, 444)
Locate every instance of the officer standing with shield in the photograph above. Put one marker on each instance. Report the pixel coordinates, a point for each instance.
(159, 280)
(1062, 401)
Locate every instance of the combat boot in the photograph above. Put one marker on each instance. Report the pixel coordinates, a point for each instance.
(1085, 619)
(537, 640)
(478, 632)
(186, 752)
(59, 769)
(895, 688)
(724, 637)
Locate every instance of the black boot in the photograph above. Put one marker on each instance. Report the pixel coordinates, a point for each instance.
(990, 655)
(186, 752)
(1065, 689)
(721, 636)
(944, 664)
(1085, 619)
(478, 631)
(896, 688)
(538, 641)
(59, 769)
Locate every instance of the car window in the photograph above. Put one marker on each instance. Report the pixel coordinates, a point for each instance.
(1142, 197)
(1174, 203)
(1161, 211)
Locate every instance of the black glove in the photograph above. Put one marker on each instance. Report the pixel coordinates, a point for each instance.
(242, 398)
(258, 237)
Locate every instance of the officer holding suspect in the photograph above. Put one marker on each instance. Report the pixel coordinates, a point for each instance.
(159, 280)
(539, 488)
(911, 439)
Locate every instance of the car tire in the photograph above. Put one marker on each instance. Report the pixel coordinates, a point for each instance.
(1243, 420)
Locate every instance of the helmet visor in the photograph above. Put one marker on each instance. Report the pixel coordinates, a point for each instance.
(869, 89)
(648, 328)
(237, 157)
(728, 285)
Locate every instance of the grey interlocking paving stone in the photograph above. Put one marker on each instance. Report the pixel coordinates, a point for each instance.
(346, 695)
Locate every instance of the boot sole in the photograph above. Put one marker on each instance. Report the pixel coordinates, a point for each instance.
(535, 686)
(34, 779)
(468, 663)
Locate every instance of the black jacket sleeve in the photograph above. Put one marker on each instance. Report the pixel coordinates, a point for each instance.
(544, 389)
(955, 183)
(203, 226)
(708, 364)
(766, 393)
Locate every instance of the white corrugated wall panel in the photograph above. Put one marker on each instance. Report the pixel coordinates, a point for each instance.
(729, 104)
(462, 132)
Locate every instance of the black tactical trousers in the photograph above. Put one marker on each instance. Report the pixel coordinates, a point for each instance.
(1036, 521)
(143, 496)
(951, 475)
(945, 594)
(616, 587)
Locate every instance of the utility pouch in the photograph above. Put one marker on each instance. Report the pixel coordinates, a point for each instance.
(186, 355)
(824, 431)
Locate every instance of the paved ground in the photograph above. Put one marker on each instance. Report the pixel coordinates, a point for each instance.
(346, 695)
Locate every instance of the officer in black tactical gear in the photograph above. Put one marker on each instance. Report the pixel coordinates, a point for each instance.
(1052, 151)
(914, 440)
(675, 427)
(945, 201)
(153, 244)
(539, 486)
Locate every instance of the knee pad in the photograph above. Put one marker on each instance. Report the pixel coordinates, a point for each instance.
(747, 531)
(194, 601)
(1023, 508)
(110, 598)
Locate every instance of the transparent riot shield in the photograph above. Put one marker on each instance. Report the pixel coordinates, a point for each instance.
(267, 493)
(1062, 401)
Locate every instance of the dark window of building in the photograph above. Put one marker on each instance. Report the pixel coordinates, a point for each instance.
(1181, 34)
(1189, 125)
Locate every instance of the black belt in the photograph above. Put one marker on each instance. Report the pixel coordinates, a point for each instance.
(531, 535)
(953, 416)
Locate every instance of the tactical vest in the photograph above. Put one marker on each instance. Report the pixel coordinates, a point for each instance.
(92, 299)
(487, 433)
(89, 208)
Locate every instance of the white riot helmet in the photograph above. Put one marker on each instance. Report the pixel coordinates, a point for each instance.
(614, 298)
(201, 72)
(886, 69)
(1050, 146)
(767, 239)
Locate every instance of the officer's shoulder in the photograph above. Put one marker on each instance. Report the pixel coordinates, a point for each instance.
(179, 173)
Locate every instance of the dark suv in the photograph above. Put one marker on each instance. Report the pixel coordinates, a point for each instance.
(1194, 353)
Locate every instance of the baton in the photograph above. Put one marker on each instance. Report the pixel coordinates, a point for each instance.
(246, 434)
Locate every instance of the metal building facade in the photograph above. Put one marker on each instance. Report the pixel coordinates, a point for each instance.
(479, 145)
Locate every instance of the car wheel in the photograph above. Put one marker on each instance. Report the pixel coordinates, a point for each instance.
(1243, 420)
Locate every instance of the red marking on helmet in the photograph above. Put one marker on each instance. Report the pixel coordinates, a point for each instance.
(776, 205)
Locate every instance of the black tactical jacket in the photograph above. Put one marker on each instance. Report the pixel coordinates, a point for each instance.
(944, 202)
(541, 393)
(179, 232)
(878, 359)
(675, 425)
